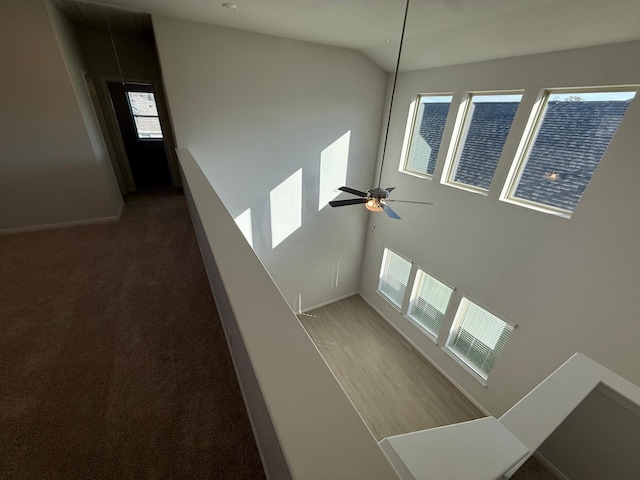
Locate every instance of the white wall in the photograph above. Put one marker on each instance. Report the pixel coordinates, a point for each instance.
(255, 109)
(570, 285)
(54, 164)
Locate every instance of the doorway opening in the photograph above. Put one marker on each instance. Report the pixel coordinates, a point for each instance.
(136, 111)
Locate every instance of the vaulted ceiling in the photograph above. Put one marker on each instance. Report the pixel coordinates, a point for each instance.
(439, 32)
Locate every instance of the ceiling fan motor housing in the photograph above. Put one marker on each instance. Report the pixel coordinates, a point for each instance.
(378, 193)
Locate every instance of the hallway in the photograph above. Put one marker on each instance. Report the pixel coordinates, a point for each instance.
(113, 363)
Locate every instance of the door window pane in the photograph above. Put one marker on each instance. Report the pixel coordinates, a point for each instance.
(145, 114)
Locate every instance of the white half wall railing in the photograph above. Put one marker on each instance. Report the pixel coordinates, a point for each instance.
(488, 448)
(542, 410)
(305, 426)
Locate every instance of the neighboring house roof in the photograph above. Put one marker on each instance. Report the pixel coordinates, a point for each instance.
(571, 142)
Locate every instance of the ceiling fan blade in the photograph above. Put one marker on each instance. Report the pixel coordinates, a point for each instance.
(390, 189)
(351, 201)
(388, 211)
(353, 191)
(407, 201)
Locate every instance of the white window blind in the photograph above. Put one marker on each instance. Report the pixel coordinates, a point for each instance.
(477, 337)
(394, 277)
(429, 301)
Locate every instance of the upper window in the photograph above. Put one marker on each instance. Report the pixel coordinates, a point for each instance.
(482, 127)
(429, 301)
(568, 135)
(427, 121)
(145, 114)
(477, 337)
(394, 277)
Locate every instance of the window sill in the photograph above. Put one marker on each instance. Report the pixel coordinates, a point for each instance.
(467, 188)
(466, 366)
(538, 207)
(430, 335)
(424, 176)
(389, 301)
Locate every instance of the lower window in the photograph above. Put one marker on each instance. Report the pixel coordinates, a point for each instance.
(477, 337)
(394, 277)
(429, 301)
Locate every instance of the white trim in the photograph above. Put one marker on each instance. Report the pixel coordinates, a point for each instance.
(410, 131)
(538, 207)
(426, 332)
(427, 357)
(628, 405)
(466, 187)
(328, 302)
(550, 466)
(389, 301)
(467, 366)
(53, 226)
(531, 126)
(460, 130)
(424, 176)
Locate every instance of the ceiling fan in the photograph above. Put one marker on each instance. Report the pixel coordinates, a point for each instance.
(376, 199)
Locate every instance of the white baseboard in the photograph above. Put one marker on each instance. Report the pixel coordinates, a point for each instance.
(427, 357)
(333, 300)
(53, 226)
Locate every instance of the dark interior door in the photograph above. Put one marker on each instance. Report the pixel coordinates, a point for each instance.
(137, 115)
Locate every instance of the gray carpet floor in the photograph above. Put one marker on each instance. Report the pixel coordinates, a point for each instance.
(113, 364)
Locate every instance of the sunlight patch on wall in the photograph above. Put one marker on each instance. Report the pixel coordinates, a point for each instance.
(244, 224)
(286, 208)
(333, 169)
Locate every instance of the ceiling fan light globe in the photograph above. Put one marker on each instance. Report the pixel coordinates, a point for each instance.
(373, 205)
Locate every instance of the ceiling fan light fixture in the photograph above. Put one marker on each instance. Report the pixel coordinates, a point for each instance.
(373, 205)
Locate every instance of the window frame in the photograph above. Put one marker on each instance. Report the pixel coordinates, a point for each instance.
(407, 143)
(129, 90)
(481, 376)
(415, 286)
(529, 138)
(460, 132)
(399, 308)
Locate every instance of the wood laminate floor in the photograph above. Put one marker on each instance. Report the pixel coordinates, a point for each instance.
(395, 389)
